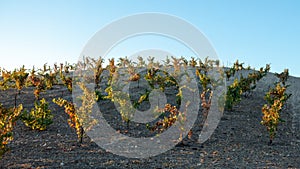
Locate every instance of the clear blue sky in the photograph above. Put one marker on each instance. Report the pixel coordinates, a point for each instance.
(33, 32)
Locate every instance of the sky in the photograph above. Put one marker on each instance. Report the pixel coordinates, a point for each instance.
(256, 32)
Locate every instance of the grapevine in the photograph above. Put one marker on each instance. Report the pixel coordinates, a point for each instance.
(79, 115)
(276, 99)
(73, 120)
(242, 85)
(8, 120)
(39, 117)
(169, 120)
(16, 79)
(208, 83)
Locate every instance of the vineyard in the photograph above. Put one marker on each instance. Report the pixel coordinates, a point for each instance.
(56, 103)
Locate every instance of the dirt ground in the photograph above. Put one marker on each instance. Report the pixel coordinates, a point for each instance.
(239, 141)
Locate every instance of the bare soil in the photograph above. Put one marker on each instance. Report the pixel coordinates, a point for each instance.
(239, 141)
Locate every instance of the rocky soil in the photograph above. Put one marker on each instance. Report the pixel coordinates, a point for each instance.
(239, 141)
